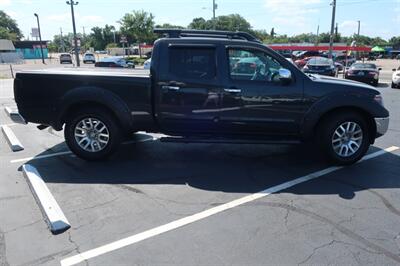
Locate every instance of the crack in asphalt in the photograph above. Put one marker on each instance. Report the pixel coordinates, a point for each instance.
(48, 258)
(347, 232)
(12, 197)
(77, 249)
(95, 206)
(384, 200)
(3, 257)
(23, 226)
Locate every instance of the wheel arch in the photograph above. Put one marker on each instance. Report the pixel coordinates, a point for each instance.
(87, 97)
(322, 111)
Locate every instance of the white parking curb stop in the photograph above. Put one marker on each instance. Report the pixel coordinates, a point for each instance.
(12, 140)
(9, 111)
(55, 218)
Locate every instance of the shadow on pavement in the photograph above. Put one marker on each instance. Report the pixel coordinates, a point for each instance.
(219, 167)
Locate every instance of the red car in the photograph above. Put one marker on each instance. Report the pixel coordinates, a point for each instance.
(300, 63)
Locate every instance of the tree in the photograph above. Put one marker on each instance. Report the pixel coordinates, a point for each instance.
(138, 26)
(169, 26)
(395, 42)
(232, 22)
(9, 28)
(198, 24)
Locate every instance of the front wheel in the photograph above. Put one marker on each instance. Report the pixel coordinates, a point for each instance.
(92, 134)
(344, 137)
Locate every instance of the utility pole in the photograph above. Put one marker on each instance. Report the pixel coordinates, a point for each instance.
(40, 37)
(214, 8)
(317, 39)
(332, 28)
(83, 28)
(72, 4)
(62, 41)
(359, 26)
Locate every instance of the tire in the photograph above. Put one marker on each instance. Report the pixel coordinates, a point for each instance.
(81, 125)
(329, 132)
(375, 83)
(394, 86)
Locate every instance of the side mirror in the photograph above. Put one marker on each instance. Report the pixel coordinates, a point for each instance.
(393, 69)
(285, 75)
(380, 69)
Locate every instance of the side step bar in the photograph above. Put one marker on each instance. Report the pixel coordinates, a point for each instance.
(227, 141)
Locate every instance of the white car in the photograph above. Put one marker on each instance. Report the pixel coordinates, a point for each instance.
(396, 78)
(147, 64)
(89, 58)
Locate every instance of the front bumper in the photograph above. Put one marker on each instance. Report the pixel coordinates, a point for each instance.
(382, 125)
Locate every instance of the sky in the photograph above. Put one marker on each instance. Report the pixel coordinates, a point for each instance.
(378, 17)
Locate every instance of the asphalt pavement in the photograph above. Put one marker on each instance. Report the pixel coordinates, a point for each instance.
(158, 203)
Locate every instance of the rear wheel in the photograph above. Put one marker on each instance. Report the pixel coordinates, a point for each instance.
(344, 137)
(92, 134)
(393, 85)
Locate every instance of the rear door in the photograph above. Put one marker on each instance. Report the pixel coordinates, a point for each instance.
(188, 90)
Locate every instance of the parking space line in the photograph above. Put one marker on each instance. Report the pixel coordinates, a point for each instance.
(12, 140)
(204, 214)
(69, 152)
(55, 217)
(41, 156)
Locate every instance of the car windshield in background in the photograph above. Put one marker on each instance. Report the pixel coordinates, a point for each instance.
(319, 61)
(364, 66)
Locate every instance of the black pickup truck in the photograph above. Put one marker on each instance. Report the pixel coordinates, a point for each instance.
(205, 86)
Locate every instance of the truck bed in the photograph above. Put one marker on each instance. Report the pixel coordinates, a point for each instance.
(39, 91)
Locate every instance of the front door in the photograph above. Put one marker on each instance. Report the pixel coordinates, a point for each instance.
(256, 101)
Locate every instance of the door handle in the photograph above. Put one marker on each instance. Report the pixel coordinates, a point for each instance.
(233, 90)
(172, 88)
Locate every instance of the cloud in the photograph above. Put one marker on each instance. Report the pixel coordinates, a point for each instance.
(293, 13)
(5, 2)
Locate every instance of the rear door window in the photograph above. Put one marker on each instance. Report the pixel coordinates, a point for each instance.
(192, 63)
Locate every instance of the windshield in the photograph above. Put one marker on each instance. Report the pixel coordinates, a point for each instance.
(319, 61)
(364, 66)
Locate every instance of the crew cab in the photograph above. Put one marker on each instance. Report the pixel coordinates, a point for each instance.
(204, 86)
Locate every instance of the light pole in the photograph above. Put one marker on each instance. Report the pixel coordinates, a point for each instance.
(72, 4)
(332, 28)
(40, 37)
(214, 8)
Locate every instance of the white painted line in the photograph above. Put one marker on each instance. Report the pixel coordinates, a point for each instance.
(68, 152)
(41, 157)
(204, 214)
(12, 140)
(55, 218)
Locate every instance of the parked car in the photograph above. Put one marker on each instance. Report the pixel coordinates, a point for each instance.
(65, 58)
(89, 58)
(115, 61)
(100, 52)
(306, 54)
(343, 58)
(300, 63)
(396, 78)
(147, 64)
(339, 67)
(195, 95)
(364, 72)
(321, 66)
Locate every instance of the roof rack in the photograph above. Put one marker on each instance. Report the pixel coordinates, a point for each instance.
(178, 33)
